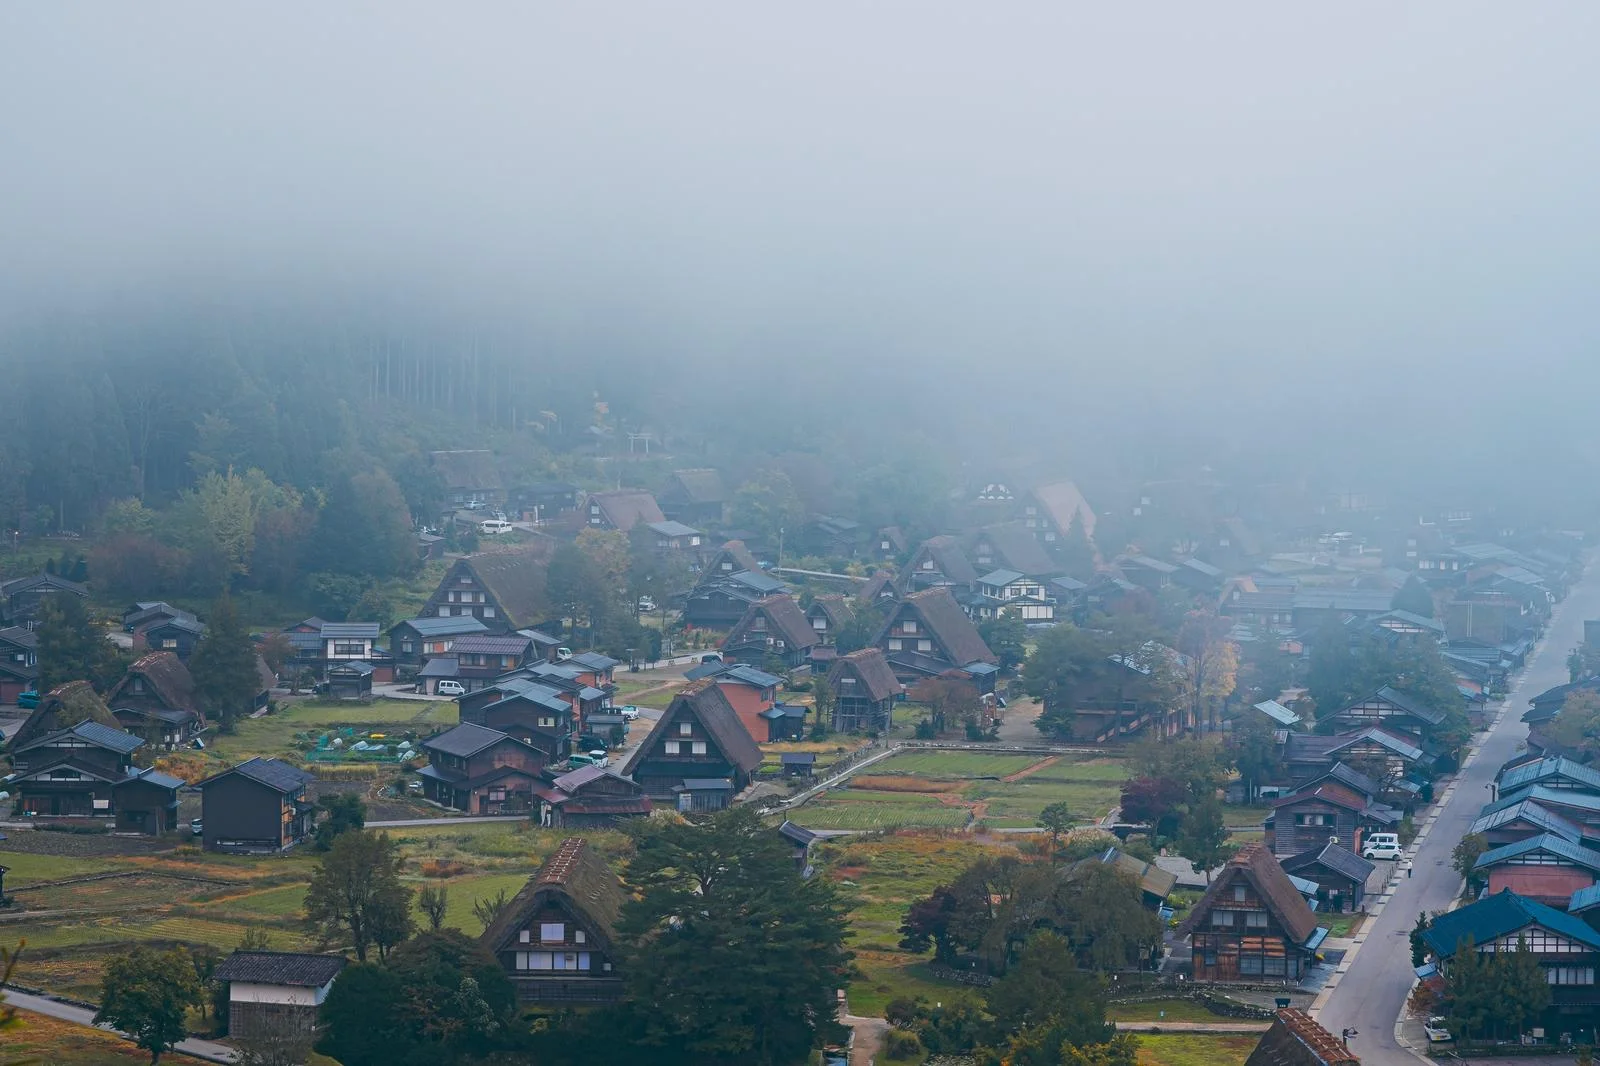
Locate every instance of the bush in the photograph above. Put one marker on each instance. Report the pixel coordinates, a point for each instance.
(443, 868)
(901, 1045)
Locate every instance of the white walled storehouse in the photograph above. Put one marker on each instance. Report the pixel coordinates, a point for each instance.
(276, 991)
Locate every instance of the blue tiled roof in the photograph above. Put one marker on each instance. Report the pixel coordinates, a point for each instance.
(1559, 846)
(1499, 915)
(1530, 773)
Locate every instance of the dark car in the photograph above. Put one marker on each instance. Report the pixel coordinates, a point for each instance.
(28, 699)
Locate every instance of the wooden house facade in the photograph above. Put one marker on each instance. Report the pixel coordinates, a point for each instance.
(556, 939)
(481, 771)
(864, 689)
(156, 700)
(258, 806)
(697, 739)
(1252, 924)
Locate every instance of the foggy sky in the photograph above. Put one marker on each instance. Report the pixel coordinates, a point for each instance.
(1199, 211)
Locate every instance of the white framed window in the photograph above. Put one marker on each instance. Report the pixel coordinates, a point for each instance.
(1239, 893)
(488, 612)
(1255, 919)
(552, 932)
(579, 937)
(924, 645)
(908, 626)
(670, 747)
(894, 643)
(927, 564)
(699, 747)
(525, 936)
(685, 728)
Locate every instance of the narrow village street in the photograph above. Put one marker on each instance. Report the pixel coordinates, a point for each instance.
(1371, 992)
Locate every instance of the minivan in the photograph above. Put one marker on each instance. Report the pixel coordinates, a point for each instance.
(451, 688)
(1381, 846)
(493, 527)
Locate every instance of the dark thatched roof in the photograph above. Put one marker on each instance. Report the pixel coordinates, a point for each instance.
(735, 552)
(1014, 546)
(873, 671)
(64, 706)
(867, 595)
(1065, 506)
(948, 559)
(1256, 865)
(943, 617)
(834, 607)
(784, 620)
(626, 508)
(575, 874)
(516, 579)
(705, 702)
(702, 485)
(166, 675)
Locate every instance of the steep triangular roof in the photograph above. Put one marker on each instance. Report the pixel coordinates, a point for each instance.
(702, 485)
(575, 874)
(868, 594)
(1296, 1039)
(834, 607)
(1500, 915)
(735, 553)
(1255, 864)
(62, 706)
(166, 675)
(516, 579)
(1013, 546)
(948, 624)
(784, 620)
(868, 664)
(1065, 506)
(626, 508)
(947, 557)
(706, 703)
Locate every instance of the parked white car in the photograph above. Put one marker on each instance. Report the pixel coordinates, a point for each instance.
(629, 712)
(1381, 846)
(646, 604)
(493, 527)
(451, 688)
(1437, 1033)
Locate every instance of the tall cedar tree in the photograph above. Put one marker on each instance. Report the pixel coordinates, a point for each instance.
(73, 648)
(356, 891)
(1063, 661)
(147, 994)
(731, 957)
(224, 666)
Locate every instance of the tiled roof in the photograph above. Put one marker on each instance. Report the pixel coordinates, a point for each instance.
(1399, 746)
(1549, 843)
(1328, 792)
(1500, 915)
(1411, 705)
(1532, 813)
(464, 740)
(443, 627)
(670, 528)
(1331, 856)
(948, 560)
(280, 968)
(490, 644)
(1278, 712)
(152, 776)
(350, 631)
(1014, 547)
(442, 666)
(274, 773)
(1551, 767)
(1547, 797)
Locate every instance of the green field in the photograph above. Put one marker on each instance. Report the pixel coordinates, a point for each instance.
(1089, 787)
(1196, 1049)
(1171, 1010)
(948, 765)
(847, 809)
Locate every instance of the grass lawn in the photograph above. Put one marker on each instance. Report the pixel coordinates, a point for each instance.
(847, 809)
(1340, 925)
(1196, 1049)
(954, 764)
(1242, 817)
(24, 868)
(1177, 1010)
(45, 1039)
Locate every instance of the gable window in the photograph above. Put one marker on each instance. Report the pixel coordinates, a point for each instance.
(670, 747)
(552, 932)
(1222, 919)
(699, 747)
(405, 647)
(578, 937)
(685, 728)
(908, 626)
(1255, 919)
(924, 645)
(488, 612)
(894, 643)
(138, 684)
(927, 564)
(1239, 893)
(524, 936)
(170, 642)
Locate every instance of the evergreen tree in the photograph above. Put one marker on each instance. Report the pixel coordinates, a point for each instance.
(1414, 597)
(1202, 836)
(1048, 1002)
(226, 677)
(73, 647)
(730, 956)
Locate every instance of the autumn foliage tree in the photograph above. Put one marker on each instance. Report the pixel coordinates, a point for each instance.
(1208, 667)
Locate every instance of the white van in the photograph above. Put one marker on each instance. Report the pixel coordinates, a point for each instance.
(451, 688)
(493, 527)
(1380, 846)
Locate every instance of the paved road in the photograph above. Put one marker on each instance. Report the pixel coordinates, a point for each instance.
(1372, 993)
(200, 1049)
